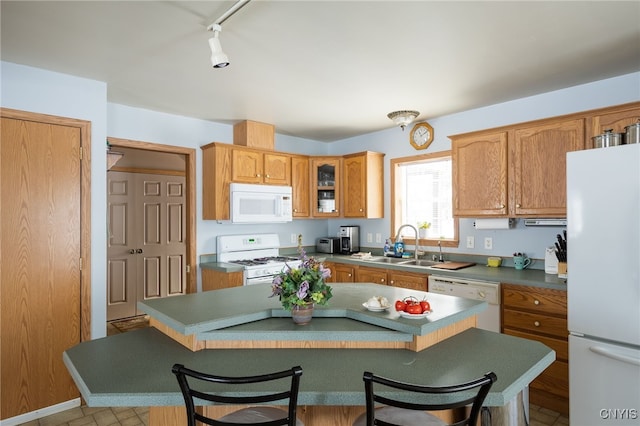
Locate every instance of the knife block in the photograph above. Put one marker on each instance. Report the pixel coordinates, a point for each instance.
(562, 269)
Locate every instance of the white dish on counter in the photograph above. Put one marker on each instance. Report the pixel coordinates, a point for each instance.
(414, 316)
(376, 308)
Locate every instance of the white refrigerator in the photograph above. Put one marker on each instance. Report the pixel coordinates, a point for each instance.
(603, 284)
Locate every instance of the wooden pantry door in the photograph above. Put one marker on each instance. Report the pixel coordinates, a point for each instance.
(41, 285)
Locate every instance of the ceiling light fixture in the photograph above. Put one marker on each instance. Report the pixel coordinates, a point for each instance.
(219, 59)
(402, 118)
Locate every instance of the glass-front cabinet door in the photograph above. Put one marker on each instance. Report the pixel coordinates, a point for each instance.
(325, 172)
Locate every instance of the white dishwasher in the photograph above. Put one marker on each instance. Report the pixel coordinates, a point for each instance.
(472, 289)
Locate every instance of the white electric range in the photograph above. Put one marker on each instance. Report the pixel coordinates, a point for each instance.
(259, 254)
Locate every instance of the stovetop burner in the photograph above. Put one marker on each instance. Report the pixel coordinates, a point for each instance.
(263, 260)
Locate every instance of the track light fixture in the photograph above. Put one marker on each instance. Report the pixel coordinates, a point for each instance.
(402, 118)
(219, 59)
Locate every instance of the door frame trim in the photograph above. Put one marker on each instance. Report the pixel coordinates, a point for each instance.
(85, 203)
(190, 174)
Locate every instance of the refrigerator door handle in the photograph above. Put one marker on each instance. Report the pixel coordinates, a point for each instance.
(614, 355)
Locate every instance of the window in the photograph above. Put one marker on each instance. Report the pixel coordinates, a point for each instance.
(422, 192)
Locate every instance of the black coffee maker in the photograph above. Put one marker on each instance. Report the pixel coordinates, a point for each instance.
(349, 239)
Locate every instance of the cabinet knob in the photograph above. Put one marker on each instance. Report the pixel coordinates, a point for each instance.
(139, 251)
(132, 251)
(537, 323)
(257, 174)
(349, 274)
(536, 302)
(391, 282)
(501, 206)
(381, 280)
(518, 205)
(267, 176)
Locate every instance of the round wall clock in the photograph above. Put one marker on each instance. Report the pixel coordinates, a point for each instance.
(421, 135)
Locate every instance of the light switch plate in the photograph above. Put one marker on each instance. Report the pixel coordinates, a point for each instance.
(471, 241)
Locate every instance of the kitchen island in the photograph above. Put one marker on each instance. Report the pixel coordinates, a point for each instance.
(245, 332)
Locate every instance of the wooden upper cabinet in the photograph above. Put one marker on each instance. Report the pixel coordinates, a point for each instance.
(247, 166)
(615, 118)
(480, 174)
(539, 167)
(300, 186)
(250, 166)
(363, 185)
(325, 186)
(216, 176)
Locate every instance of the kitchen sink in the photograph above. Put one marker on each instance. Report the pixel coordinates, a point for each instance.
(421, 262)
(394, 260)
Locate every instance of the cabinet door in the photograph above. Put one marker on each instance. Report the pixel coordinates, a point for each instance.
(362, 183)
(539, 167)
(344, 273)
(480, 175)
(365, 274)
(277, 169)
(408, 280)
(246, 166)
(300, 186)
(325, 192)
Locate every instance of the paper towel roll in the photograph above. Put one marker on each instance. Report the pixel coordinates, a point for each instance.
(493, 223)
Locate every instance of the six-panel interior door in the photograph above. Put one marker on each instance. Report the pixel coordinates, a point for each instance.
(147, 251)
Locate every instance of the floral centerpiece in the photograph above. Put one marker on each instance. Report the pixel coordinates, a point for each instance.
(303, 285)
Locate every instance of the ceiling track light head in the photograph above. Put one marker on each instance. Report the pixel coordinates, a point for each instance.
(403, 118)
(219, 59)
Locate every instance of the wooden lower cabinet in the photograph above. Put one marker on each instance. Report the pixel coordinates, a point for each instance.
(216, 280)
(408, 280)
(341, 272)
(392, 277)
(367, 274)
(541, 314)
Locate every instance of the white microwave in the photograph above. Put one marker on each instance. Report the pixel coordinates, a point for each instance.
(260, 203)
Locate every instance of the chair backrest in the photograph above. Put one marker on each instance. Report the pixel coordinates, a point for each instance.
(247, 396)
(441, 397)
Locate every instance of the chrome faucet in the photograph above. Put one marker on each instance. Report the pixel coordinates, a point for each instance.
(415, 252)
(441, 258)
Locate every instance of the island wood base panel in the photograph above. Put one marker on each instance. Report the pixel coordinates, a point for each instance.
(319, 415)
(417, 344)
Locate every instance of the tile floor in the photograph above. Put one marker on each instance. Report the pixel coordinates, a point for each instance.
(139, 416)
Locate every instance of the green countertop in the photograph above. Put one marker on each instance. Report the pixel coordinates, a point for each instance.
(248, 313)
(529, 277)
(134, 368)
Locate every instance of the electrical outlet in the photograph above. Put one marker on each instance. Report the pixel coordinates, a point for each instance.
(294, 238)
(488, 243)
(369, 237)
(378, 237)
(471, 241)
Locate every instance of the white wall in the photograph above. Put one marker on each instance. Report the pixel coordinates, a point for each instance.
(37, 90)
(395, 143)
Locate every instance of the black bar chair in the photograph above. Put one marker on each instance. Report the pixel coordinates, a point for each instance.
(406, 412)
(257, 415)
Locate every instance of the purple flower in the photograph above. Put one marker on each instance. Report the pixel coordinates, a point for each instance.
(303, 290)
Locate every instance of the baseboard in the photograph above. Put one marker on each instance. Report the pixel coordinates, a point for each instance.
(43, 412)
